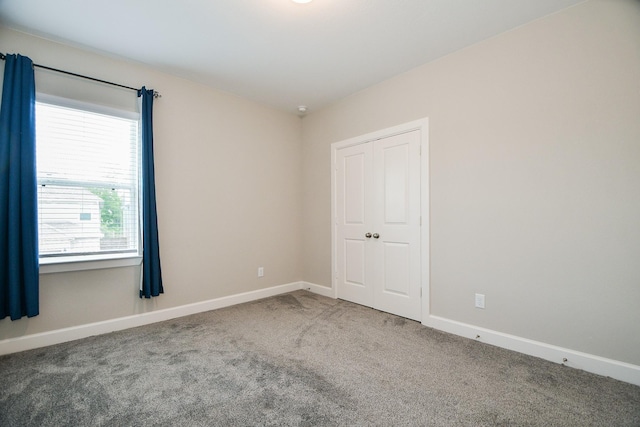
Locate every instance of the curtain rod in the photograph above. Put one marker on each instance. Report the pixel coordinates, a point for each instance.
(155, 93)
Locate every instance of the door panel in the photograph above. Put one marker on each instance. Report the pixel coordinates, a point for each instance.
(354, 182)
(354, 257)
(353, 204)
(396, 268)
(396, 184)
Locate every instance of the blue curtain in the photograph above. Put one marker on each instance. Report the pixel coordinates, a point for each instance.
(19, 275)
(151, 285)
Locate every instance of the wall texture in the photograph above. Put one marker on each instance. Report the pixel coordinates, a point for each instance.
(228, 178)
(534, 177)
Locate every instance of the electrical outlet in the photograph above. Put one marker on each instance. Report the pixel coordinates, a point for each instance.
(479, 300)
(260, 271)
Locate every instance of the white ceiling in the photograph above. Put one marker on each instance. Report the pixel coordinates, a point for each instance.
(275, 51)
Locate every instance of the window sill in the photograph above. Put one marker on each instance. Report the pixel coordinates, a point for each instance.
(80, 263)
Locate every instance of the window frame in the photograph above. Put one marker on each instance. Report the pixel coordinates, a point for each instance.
(76, 262)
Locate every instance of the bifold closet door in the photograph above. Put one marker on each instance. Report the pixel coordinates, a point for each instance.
(378, 224)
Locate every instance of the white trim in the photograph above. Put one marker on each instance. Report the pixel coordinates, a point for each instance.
(587, 362)
(425, 226)
(43, 339)
(318, 289)
(95, 262)
(421, 125)
(334, 261)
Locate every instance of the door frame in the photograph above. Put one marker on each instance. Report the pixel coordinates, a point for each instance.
(421, 125)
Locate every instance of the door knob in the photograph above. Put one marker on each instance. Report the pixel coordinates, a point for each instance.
(368, 235)
(376, 235)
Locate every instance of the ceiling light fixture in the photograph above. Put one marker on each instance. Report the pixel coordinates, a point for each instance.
(301, 1)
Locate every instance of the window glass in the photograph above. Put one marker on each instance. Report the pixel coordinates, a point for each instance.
(87, 170)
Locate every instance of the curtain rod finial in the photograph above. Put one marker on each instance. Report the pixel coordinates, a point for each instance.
(156, 94)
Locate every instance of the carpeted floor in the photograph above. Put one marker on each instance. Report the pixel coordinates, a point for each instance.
(300, 359)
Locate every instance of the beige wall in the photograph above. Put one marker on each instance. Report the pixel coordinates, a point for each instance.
(535, 177)
(228, 178)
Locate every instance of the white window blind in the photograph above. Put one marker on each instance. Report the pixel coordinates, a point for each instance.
(87, 165)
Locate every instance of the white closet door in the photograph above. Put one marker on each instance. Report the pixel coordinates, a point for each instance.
(377, 236)
(396, 220)
(353, 220)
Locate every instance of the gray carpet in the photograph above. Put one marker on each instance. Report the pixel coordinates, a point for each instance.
(300, 359)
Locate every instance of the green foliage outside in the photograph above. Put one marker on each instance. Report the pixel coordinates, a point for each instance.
(110, 211)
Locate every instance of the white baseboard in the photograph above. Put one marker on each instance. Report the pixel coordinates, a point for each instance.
(317, 289)
(587, 362)
(598, 365)
(28, 342)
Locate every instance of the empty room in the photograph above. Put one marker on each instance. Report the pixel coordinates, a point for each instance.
(320, 212)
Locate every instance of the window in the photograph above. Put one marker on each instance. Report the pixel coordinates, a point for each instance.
(88, 175)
